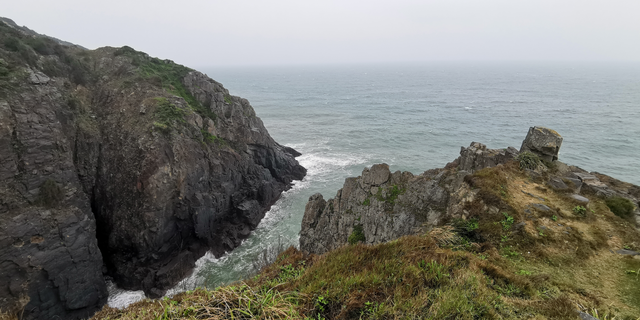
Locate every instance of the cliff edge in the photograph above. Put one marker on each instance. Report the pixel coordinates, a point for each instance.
(113, 161)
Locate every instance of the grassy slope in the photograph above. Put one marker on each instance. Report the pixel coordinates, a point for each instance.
(487, 267)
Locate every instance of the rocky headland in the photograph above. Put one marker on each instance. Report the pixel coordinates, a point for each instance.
(116, 163)
(380, 206)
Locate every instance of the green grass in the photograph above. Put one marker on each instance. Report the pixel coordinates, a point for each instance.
(392, 194)
(167, 114)
(528, 160)
(167, 74)
(357, 235)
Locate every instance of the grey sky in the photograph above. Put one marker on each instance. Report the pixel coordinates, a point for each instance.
(253, 32)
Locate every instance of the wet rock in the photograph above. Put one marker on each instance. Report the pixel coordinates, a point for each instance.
(543, 142)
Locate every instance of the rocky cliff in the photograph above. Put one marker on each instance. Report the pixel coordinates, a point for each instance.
(381, 206)
(115, 162)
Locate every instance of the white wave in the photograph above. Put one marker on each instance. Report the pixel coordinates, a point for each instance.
(318, 164)
(121, 298)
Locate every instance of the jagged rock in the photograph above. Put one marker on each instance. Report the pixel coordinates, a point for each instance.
(543, 142)
(477, 156)
(387, 205)
(593, 184)
(390, 205)
(557, 184)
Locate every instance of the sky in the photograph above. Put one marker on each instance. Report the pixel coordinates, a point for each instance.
(202, 33)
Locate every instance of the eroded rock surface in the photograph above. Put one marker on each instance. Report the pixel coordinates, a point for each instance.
(389, 205)
(114, 161)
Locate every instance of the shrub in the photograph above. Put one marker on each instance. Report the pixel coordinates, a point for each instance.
(580, 210)
(621, 207)
(167, 114)
(528, 160)
(12, 44)
(357, 235)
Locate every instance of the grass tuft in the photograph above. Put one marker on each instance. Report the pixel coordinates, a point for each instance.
(528, 160)
(357, 235)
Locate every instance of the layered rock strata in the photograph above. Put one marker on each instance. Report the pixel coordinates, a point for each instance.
(112, 161)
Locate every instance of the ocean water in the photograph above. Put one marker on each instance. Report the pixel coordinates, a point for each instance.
(415, 117)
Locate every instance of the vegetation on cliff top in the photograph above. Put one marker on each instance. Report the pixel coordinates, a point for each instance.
(165, 73)
(517, 263)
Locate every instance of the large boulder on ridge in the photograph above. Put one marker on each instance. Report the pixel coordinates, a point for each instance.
(543, 142)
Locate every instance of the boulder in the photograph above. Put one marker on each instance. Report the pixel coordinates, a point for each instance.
(543, 142)
(37, 77)
(579, 198)
(557, 184)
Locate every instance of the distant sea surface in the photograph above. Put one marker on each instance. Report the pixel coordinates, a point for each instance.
(416, 117)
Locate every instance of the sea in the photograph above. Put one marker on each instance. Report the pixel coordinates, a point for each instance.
(415, 117)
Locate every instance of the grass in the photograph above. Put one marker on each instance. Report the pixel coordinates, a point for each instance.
(489, 266)
(357, 235)
(528, 160)
(166, 74)
(231, 302)
(390, 195)
(167, 114)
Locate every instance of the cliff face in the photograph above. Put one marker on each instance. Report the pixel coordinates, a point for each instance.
(113, 158)
(380, 206)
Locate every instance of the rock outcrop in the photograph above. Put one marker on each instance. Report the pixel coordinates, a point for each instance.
(389, 205)
(543, 142)
(114, 161)
(381, 206)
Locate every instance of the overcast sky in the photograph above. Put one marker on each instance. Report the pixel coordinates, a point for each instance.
(202, 33)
